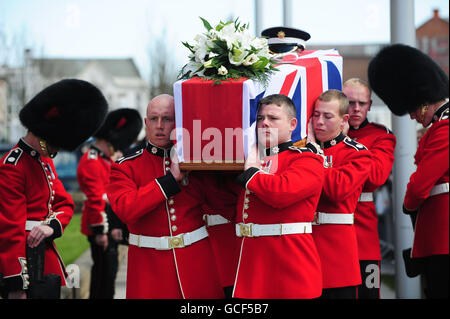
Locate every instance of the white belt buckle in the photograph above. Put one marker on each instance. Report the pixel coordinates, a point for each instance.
(246, 230)
(176, 241)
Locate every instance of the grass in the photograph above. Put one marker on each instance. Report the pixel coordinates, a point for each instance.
(72, 244)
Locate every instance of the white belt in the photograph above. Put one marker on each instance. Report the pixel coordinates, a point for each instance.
(366, 197)
(255, 230)
(213, 220)
(32, 223)
(168, 242)
(439, 189)
(328, 218)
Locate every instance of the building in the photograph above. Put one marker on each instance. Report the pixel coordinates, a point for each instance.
(118, 79)
(432, 39)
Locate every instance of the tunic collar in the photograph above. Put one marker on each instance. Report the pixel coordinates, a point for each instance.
(28, 149)
(100, 152)
(442, 112)
(332, 142)
(158, 151)
(361, 126)
(274, 150)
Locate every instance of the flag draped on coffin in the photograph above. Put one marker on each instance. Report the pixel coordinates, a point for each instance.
(216, 123)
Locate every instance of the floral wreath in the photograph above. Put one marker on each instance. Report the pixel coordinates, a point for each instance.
(226, 52)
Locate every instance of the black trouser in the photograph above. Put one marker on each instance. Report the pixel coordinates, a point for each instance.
(370, 276)
(104, 269)
(435, 275)
(349, 292)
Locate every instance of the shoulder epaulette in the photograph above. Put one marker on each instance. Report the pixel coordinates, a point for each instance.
(92, 154)
(357, 146)
(129, 157)
(383, 127)
(13, 156)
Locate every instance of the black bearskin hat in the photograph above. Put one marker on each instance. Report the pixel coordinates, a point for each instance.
(66, 113)
(121, 128)
(405, 78)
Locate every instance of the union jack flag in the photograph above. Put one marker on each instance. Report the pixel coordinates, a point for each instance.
(204, 111)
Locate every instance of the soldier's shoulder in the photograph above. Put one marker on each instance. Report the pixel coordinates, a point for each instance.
(13, 156)
(354, 144)
(130, 157)
(382, 128)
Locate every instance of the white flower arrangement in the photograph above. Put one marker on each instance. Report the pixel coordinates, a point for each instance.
(226, 52)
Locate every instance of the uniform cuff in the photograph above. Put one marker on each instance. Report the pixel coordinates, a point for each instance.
(168, 185)
(246, 176)
(57, 231)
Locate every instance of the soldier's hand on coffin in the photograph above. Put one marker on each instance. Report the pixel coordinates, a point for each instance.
(253, 159)
(175, 167)
(17, 294)
(310, 138)
(38, 234)
(102, 240)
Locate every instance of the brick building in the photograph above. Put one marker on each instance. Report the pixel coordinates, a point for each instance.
(432, 39)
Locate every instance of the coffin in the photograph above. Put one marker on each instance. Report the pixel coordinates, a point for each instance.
(215, 123)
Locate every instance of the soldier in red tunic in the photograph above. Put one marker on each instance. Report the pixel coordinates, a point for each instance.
(281, 186)
(409, 81)
(349, 164)
(170, 255)
(381, 143)
(98, 223)
(34, 205)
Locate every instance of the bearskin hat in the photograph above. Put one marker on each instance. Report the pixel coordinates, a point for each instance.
(66, 113)
(405, 78)
(121, 128)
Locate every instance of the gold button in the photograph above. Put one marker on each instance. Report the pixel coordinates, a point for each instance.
(167, 168)
(172, 210)
(245, 206)
(246, 200)
(248, 192)
(174, 228)
(245, 215)
(167, 162)
(171, 201)
(173, 217)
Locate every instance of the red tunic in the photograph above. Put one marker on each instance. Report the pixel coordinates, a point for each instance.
(381, 143)
(223, 236)
(29, 190)
(432, 158)
(286, 266)
(350, 165)
(93, 175)
(146, 197)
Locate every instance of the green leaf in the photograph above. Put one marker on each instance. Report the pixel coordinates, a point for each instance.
(206, 24)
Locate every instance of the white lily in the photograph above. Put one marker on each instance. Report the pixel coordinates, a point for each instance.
(222, 70)
(252, 58)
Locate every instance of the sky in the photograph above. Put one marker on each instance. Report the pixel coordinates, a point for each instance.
(133, 28)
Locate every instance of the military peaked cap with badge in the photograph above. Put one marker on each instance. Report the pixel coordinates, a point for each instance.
(121, 128)
(406, 79)
(66, 113)
(283, 39)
